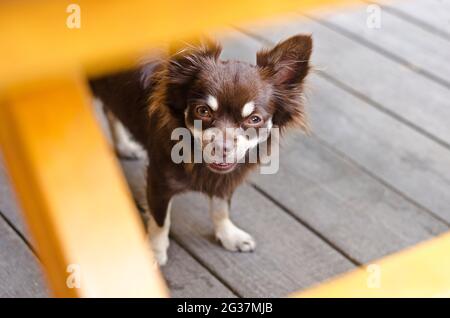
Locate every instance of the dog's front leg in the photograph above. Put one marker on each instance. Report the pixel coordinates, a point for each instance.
(159, 200)
(232, 238)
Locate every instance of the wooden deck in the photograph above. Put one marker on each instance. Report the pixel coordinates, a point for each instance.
(372, 179)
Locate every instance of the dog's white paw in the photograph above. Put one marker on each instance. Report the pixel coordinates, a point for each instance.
(161, 257)
(130, 150)
(234, 239)
(160, 245)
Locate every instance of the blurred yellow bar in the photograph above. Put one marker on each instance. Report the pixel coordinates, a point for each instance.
(421, 271)
(112, 33)
(84, 222)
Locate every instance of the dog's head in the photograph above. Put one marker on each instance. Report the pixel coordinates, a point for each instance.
(227, 104)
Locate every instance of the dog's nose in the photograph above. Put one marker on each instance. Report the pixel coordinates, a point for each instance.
(229, 146)
(226, 148)
(225, 145)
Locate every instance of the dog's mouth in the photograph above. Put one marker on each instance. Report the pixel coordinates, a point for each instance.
(222, 167)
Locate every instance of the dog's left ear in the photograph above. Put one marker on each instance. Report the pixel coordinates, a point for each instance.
(288, 62)
(286, 66)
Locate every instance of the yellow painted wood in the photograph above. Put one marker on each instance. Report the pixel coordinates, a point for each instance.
(113, 33)
(74, 197)
(421, 271)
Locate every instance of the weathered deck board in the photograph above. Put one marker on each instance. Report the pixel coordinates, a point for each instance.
(288, 256)
(20, 275)
(394, 152)
(8, 201)
(187, 278)
(357, 213)
(390, 86)
(403, 41)
(432, 15)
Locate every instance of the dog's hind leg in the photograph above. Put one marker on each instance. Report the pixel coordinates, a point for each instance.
(156, 215)
(159, 198)
(232, 238)
(159, 236)
(124, 144)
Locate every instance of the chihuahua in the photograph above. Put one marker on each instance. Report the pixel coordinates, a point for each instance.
(215, 102)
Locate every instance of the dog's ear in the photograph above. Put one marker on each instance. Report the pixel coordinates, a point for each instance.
(288, 62)
(187, 58)
(286, 66)
(184, 65)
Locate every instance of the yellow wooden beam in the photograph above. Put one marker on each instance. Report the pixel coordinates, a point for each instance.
(76, 203)
(421, 271)
(113, 33)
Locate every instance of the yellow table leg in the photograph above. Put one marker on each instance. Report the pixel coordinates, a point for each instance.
(76, 203)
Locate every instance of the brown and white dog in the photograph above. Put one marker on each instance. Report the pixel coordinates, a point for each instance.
(194, 86)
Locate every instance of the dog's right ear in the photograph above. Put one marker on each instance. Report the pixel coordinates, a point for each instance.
(188, 58)
(183, 68)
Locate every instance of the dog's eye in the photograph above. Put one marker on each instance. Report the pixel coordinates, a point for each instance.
(203, 111)
(254, 120)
